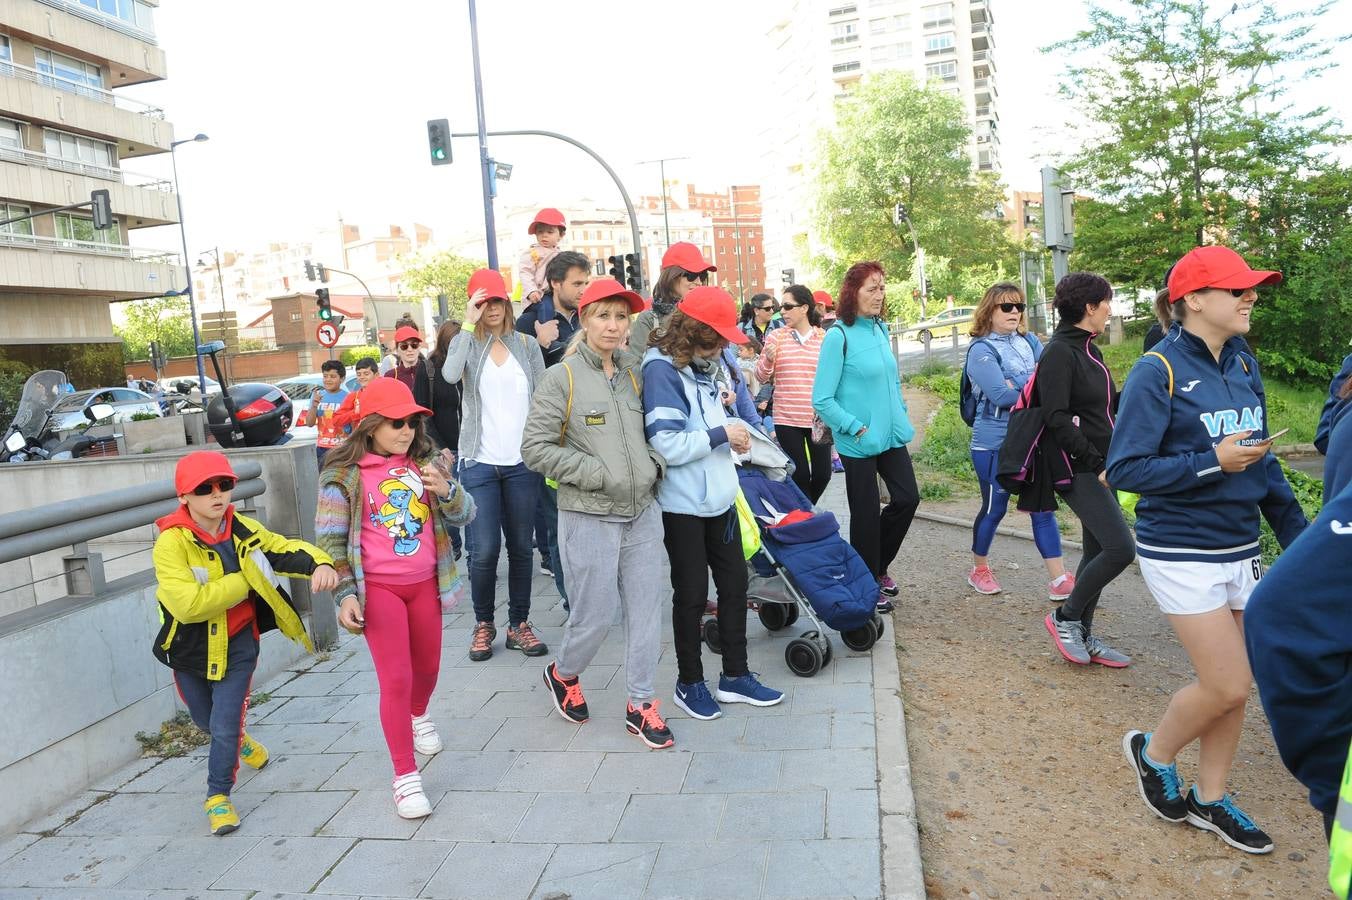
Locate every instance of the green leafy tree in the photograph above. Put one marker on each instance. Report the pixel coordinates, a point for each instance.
(897, 141)
(164, 319)
(439, 273)
(1194, 141)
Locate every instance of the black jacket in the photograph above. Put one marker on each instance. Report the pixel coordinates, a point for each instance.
(537, 312)
(1077, 396)
(443, 398)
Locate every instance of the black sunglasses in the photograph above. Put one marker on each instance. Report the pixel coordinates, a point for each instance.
(406, 422)
(692, 277)
(1012, 307)
(226, 485)
(1234, 292)
(784, 306)
(769, 308)
(409, 345)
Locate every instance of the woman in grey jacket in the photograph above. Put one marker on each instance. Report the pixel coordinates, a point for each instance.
(586, 432)
(500, 370)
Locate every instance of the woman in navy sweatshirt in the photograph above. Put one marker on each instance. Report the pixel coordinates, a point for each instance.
(1192, 440)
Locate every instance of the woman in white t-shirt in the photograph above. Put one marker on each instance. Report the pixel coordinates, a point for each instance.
(500, 370)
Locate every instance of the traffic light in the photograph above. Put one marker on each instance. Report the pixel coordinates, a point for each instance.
(634, 278)
(929, 287)
(325, 306)
(439, 141)
(787, 275)
(321, 273)
(336, 320)
(102, 209)
(372, 337)
(309, 271)
(616, 267)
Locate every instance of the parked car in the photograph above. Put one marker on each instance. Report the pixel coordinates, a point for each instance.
(187, 384)
(938, 326)
(301, 387)
(68, 413)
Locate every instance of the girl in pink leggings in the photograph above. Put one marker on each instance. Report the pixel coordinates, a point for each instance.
(386, 504)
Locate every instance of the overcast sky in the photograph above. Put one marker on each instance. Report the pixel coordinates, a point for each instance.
(317, 109)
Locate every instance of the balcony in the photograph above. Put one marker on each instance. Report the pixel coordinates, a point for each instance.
(107, 20)
(981, 37)
(984, 89)
(39, 180)
(41, 264)
(984, 58)
(129, 51)
(98, 95)
(91, 170)
(44, 99)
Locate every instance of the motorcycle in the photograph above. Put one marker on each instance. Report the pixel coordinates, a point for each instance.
(29, 435)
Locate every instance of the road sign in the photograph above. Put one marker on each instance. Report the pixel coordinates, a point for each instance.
(326, 334)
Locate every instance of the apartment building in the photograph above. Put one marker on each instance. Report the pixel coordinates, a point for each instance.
(65, 130)
(821, 48)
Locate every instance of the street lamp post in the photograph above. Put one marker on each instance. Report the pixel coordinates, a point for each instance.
(187, 267)
(662, 172)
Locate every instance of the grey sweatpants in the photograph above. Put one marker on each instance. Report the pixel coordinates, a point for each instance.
(609, 565)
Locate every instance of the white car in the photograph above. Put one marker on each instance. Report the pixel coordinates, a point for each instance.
(69, 412)
(187, 384)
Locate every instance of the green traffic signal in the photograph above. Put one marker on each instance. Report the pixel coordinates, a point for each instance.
(324, 304)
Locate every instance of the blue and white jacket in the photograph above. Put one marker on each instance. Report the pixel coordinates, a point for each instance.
(1017, 355)
(1164, 449)
(685, 422)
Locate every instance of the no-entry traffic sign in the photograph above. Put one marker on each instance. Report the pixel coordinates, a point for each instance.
(326, 334)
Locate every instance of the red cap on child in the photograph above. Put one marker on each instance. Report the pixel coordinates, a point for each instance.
(547, 216)
(200, 467)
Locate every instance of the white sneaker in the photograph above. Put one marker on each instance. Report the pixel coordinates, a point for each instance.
(409, 800)
(425, 738)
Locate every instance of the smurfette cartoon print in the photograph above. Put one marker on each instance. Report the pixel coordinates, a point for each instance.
(403, 514)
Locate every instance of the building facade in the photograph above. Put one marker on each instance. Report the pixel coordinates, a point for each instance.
(65, 131)
(823, 47)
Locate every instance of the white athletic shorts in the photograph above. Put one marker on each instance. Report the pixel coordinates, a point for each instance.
(1187, 588)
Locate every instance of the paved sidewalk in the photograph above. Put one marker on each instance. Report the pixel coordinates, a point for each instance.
(779, 802)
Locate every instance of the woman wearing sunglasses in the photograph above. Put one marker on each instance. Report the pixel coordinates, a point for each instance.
(500, 369)
(1000, 359)
(409, 367)
(1194, 442)
(789, 360)
(386, 507)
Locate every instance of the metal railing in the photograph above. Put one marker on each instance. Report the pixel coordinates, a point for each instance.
(93, 170)
(74, 523)
(96, 248)
(97, 94)
(98, 17)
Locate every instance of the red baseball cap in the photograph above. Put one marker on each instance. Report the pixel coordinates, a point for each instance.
(547, 216)
(407, 333)
(491, 282)
(714, 307)
(823, 299)
(1215, 267)
(389, 397)
(198, 467)
(687, 256)
(610, 289)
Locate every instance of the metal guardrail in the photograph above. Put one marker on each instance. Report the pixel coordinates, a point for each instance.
(122, 251)
(73, 523)
(93, 170)
(97, 94)
(98, 17)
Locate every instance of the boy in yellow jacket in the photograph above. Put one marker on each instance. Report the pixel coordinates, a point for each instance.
(220, 580)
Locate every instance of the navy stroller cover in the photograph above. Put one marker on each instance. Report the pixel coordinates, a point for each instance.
(822, 565)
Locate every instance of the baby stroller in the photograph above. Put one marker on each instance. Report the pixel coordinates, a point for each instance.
(805, 567)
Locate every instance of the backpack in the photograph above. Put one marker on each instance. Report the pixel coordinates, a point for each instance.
(967, 399)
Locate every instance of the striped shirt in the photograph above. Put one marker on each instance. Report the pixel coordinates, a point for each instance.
(790, 361)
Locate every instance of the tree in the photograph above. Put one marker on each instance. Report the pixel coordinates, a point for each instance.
(164, 319)
(1193, 141)
(896, 141)
(441, 273)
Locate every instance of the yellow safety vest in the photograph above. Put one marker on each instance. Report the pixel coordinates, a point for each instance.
(1340, 839)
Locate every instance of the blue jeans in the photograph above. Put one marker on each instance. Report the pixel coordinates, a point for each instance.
(547, 516)
(217, 707)
(504, 499)
(994, 503)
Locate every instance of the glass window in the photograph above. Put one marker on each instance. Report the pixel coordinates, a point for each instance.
(78, 228)
(891, 52)
(66, 69)
(9, 211)
(840, 68)
(939, 14)
(938, 42)
(944, 71)
(887, 24)
(4, 47)
(842, 11)
(76, 148)
(844, 32)
(10, 135)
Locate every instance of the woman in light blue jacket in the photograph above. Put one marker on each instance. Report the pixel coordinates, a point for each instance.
(1000, 360)
(684, 421)
(857, 393)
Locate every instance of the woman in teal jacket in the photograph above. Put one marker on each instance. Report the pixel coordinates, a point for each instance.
(857, 393)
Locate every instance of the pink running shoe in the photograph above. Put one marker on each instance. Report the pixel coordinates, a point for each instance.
(983, 580)
(1056, 592)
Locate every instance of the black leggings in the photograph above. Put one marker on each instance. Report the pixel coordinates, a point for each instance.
(877, 537)
(697, 546)
(1108, 546)
(812, 476)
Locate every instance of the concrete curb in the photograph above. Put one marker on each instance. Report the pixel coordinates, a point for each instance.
(903, 872)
